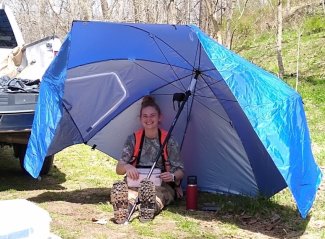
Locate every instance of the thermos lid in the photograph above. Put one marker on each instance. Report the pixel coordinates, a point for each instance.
(191, 180)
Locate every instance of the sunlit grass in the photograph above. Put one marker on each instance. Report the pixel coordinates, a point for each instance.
(84, 167)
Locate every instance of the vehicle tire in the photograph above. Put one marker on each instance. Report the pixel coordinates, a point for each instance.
(19, 152)
(47, 165)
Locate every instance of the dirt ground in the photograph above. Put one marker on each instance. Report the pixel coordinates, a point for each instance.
(78, 209)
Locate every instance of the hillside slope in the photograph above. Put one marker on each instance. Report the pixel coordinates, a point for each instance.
(311, 84)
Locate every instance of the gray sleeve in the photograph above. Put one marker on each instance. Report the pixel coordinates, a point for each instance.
(174, 155)
(128, 149)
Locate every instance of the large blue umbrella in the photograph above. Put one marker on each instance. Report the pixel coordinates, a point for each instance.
(242, 130)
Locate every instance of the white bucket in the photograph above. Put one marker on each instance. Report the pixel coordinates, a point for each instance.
(22, 219)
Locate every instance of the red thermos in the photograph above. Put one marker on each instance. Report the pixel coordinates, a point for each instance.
(191, 193)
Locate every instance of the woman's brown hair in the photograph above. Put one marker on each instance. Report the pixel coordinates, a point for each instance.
(149, 101)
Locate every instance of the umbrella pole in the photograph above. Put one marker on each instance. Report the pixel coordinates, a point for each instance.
(184, 99)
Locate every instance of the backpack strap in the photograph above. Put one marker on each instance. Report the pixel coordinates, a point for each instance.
(162, 136)
(139, 139)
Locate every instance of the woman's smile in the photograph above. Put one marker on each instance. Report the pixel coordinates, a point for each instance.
(150, 118)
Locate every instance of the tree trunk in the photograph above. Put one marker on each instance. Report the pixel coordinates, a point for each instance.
(298, 56)
(85, 10)
(171, 12)
(279, 40)
(200, 14)
(187, 11)
(229, 12)
(42, 17)
(210, 5)
(136, 11)
(157, 12)
(288, 7)
(104, 6)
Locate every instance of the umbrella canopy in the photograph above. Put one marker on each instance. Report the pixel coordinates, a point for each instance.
(242, 130)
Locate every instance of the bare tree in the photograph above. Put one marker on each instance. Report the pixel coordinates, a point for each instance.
(47, 17)
(298, 56)
(288, 7)
(85, 10)
(279, 40)
(41, 16)
(104, 7)
(211, 7)
(229, 33)
(171, 12)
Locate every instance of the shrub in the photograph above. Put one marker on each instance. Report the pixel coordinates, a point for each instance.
(314, 24)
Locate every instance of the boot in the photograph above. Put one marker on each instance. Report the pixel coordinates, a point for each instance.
(119, 200)
(147, 198)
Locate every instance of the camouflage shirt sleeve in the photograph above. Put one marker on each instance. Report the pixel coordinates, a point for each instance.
(128, 148)
(174, 155)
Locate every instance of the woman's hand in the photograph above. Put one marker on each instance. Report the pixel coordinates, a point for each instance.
(167, 177)
(131, 172)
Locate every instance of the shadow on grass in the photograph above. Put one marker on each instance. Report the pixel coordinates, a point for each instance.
(314, 80)
(12, 176)
(82, 196)
(257, 215)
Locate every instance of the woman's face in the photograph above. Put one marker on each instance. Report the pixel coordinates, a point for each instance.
(149, 118)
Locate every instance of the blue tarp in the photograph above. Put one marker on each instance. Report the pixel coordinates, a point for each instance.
(244, 131)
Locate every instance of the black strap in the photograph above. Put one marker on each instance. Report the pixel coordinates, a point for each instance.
(140, 149)
(162, 152)
(164, 160)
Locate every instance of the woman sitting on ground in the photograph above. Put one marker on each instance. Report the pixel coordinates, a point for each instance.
(147, 142)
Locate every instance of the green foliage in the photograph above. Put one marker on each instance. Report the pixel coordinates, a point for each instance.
(315, 24)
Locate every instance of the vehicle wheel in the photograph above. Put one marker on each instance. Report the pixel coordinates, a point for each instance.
(47, 165)
(20, 150)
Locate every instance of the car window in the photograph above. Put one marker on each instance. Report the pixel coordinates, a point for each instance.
(7, 37)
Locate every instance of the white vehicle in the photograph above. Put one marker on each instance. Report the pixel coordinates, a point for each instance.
(21, 69)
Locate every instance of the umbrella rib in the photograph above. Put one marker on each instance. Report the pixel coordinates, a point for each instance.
(146, 60)
(83, 140)
(189, 110)
(201, 96)
(168, 83)
(220, 116)
(214, 83)
(212, 98)
(152, 35)
(220, 99)
(167, 59)
(208, 85)
(196, 53)
(211, 69)
(199, 48)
